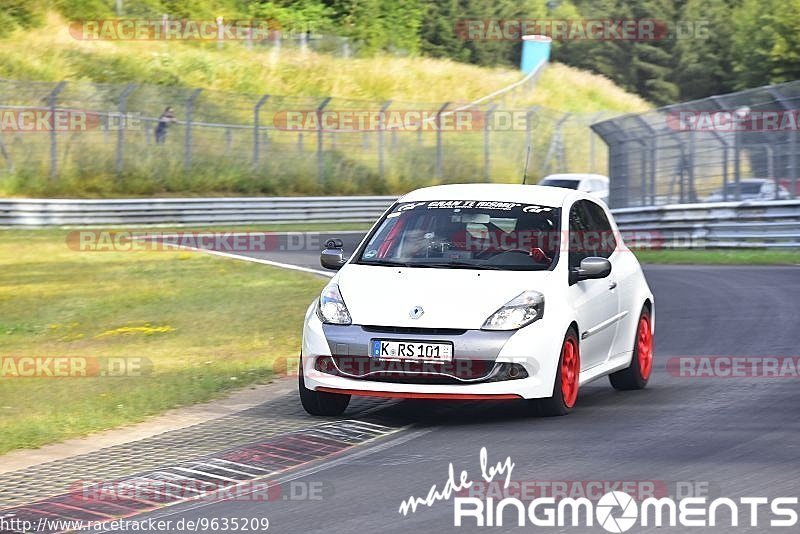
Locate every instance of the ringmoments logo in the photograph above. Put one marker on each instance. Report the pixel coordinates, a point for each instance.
(615, 511)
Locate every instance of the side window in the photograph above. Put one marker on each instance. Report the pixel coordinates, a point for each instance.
(579, 228)
(601, 232)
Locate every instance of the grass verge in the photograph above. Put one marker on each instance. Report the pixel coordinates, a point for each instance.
(721, 257)
(205, 324)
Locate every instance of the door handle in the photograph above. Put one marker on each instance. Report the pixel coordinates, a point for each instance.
(612, 285)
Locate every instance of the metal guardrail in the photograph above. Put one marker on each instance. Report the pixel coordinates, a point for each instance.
(772, 224)
(190, 211)
(728, 224)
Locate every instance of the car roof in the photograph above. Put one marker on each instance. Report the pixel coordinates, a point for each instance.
(527, 194)
(750, 181)
(576, 176)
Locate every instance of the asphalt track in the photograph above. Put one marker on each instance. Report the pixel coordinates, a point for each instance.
(731, 437)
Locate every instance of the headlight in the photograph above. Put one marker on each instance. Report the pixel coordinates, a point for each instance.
(520, 311)
(331, 308)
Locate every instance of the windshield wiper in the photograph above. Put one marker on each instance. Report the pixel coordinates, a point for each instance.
(386, 263)
(484, 266)
(461, 265)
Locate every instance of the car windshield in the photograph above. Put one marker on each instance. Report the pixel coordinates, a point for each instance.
(567, 184)
(466, 234)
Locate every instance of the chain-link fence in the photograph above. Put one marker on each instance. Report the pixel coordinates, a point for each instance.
(740, 146)
(101, 139)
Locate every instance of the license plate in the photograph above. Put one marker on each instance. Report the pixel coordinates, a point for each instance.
(382, 349)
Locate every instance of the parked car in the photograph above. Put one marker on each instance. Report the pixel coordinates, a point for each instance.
(470, 292)
(594, 184)
(750, 189)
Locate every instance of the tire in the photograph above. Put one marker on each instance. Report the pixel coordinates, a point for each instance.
(637, 374)
(320, 402)
(565, 388)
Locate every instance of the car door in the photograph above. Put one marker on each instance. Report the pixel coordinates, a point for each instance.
(596, 302)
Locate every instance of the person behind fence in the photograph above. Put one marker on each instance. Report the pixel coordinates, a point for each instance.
(166, 118)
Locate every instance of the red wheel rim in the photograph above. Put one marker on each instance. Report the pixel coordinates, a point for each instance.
(570, 368)
(644, 347)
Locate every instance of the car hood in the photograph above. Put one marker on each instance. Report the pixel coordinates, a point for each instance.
(450, 298)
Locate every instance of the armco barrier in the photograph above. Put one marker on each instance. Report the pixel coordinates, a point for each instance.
(729, 224)
(770, 224)
(190, 211)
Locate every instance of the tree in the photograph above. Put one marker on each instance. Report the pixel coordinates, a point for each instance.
(766, 42)
(704, 50)
(643, 66)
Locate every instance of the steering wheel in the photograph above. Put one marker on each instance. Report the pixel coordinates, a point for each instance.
(538, 258)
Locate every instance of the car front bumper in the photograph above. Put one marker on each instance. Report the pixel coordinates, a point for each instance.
(534, 347)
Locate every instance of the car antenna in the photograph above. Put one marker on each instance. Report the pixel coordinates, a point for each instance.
(525, 170)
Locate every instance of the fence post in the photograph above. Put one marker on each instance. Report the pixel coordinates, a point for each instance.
(123, 102)
(187, 149)
(737, 164)
(529, 121)
(771, 170)
(682, 183)
(381, 131)
(51, 102)
(439, 156)
(220, 31)
(487, 163)
(793, 163)
(304, 43)
(692, 150)
(4, 153)
(593, 141)
(741, 114)
(256, 126)
(725, 178)
(653, 159)
(556, 149)
(320, 155)
(275, 53)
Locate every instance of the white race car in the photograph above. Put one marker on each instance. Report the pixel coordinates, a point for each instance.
(480, 291)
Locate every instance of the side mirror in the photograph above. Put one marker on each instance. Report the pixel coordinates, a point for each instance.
(333, 256)
(591, 268)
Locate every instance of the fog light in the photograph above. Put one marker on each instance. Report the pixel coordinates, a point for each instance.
(507, 371)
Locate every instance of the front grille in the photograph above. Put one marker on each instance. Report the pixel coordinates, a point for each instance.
(414, 330)
(458, 372)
